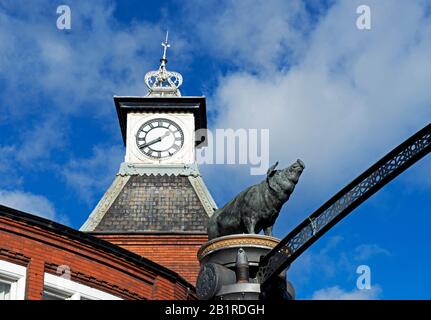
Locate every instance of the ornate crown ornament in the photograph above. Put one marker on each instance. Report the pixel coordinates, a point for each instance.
(163, 82)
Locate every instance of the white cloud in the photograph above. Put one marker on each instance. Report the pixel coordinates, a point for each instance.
(346, 101)
(50, 75)
(7, 153)
(337, 293)
(97, 58)
(91, 176)
(367, 251)
(38, 142)
(28, 202)
(334, 261)
(258, 35)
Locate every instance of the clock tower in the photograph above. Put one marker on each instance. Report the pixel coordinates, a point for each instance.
(158, 205)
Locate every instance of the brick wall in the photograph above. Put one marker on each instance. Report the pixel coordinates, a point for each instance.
(42, 250)
(176, 252)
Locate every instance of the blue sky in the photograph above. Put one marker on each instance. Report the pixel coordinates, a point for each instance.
(334, 96)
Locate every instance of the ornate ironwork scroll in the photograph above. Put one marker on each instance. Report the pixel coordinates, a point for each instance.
(344, 202)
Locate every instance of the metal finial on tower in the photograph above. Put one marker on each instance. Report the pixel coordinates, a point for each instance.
(165, 46)
(163, 82)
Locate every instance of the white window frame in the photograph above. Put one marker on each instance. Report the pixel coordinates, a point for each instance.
(74, 289)
(16, 276)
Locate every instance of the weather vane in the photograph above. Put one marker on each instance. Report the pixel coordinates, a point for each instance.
(166, 45)
(163, 82)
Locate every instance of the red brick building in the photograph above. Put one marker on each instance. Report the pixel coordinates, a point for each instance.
(41, 259)
(141, 240)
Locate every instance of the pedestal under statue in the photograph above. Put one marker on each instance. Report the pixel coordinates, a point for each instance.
(229, 265)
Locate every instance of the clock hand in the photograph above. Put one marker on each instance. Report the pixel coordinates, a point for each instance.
(150, 143)
(155, 140)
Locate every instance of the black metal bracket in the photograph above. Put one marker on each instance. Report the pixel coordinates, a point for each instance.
(344, 202)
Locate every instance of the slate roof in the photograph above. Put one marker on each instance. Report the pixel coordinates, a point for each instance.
(142, 200)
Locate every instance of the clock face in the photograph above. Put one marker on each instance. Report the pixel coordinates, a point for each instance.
(159, 138)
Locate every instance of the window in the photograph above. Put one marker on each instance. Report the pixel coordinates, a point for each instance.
(4, 290)
(12, 281)
(59, 288)
(50, 294)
